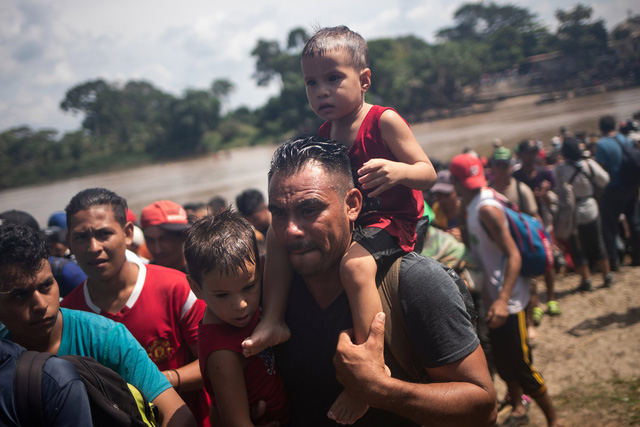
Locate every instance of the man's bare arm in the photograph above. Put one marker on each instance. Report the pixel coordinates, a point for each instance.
(461, 393)
(493, 219)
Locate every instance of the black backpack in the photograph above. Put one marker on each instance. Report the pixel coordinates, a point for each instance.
(630, 165)
(113, 401)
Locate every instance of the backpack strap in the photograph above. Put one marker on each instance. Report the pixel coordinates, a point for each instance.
(395, 331)
(27, 387)
(575, 174)
(589, 177)
(396, 338)
(519, 193)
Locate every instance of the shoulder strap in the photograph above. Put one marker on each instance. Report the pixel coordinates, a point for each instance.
(395, 331)
(519, 193)
(620, 143)
(578, 170)
(27, 387)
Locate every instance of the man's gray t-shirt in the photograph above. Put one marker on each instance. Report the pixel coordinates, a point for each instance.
(438, 325)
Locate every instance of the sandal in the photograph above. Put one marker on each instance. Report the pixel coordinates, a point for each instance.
(553, 308)
(516, 420)
(537, 315)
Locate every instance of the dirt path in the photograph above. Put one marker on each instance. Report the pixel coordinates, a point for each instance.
(596, 340)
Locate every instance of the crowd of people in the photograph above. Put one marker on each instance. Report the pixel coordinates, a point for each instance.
(350, 317)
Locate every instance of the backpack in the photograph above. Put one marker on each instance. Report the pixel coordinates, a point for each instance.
(113, 401)
(532, 240)
(396, 337)
(564, 221)
(630, 164)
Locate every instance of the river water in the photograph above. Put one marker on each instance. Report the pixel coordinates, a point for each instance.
(227, 174)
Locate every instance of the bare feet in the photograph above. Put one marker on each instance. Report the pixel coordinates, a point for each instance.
(266, 334)
(347, 409)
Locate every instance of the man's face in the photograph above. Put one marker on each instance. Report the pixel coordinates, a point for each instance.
(166, 247)
(528, 158)
(447, 199)
(99, 242)
(29, 303)
(311, 221)
(501, 170)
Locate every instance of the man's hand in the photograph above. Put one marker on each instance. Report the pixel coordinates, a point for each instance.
(497, 314)
(359, 367)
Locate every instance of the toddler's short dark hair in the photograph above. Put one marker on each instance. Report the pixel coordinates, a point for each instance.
(330, 39)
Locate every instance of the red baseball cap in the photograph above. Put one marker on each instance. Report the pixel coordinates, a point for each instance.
(131, 217)
(166, 214)
(468, 169)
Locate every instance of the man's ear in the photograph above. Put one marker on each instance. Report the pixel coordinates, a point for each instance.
(365, 79)
(128, 232)
(353, 202)
(194, 287)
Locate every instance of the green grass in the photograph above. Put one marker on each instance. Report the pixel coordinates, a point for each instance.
(614, 402)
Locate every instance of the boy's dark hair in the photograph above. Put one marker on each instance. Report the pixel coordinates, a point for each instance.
(98, 197)
(22, 247)
(330, 39)
(295, 154)
(249, 201)
(216, 205)
(607, 124)
(224, 242)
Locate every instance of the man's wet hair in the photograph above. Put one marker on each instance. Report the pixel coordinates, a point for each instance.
(295, 154)
(607, 124)
(249, 201)
(21, 248)
(90, 197)
(331, 39)
(224, 242)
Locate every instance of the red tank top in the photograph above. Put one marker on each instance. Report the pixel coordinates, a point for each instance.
(398, 209)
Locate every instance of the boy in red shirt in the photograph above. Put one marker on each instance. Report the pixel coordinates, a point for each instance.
(225, 270)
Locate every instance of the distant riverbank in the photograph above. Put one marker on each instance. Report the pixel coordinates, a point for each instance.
(228, 173)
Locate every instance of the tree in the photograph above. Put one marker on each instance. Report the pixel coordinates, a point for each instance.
(222, 88)
(290, 110)
(92, 99)
(401, 70)
(191, 117)
(579, 37)
(479, 21)
(511, 33)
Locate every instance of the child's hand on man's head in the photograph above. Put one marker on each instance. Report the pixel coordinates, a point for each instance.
(379, 175)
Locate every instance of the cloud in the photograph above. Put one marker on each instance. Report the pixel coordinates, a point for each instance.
(48, 47)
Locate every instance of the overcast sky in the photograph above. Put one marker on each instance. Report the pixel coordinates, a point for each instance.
(47, 47)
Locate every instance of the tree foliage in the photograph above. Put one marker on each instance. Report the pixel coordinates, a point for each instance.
(580, 37)
(127, 123)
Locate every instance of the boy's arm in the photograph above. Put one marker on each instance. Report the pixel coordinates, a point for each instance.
(173, 411)
(493, 219)
(190, 377)
(413, 168)
(226, 373)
